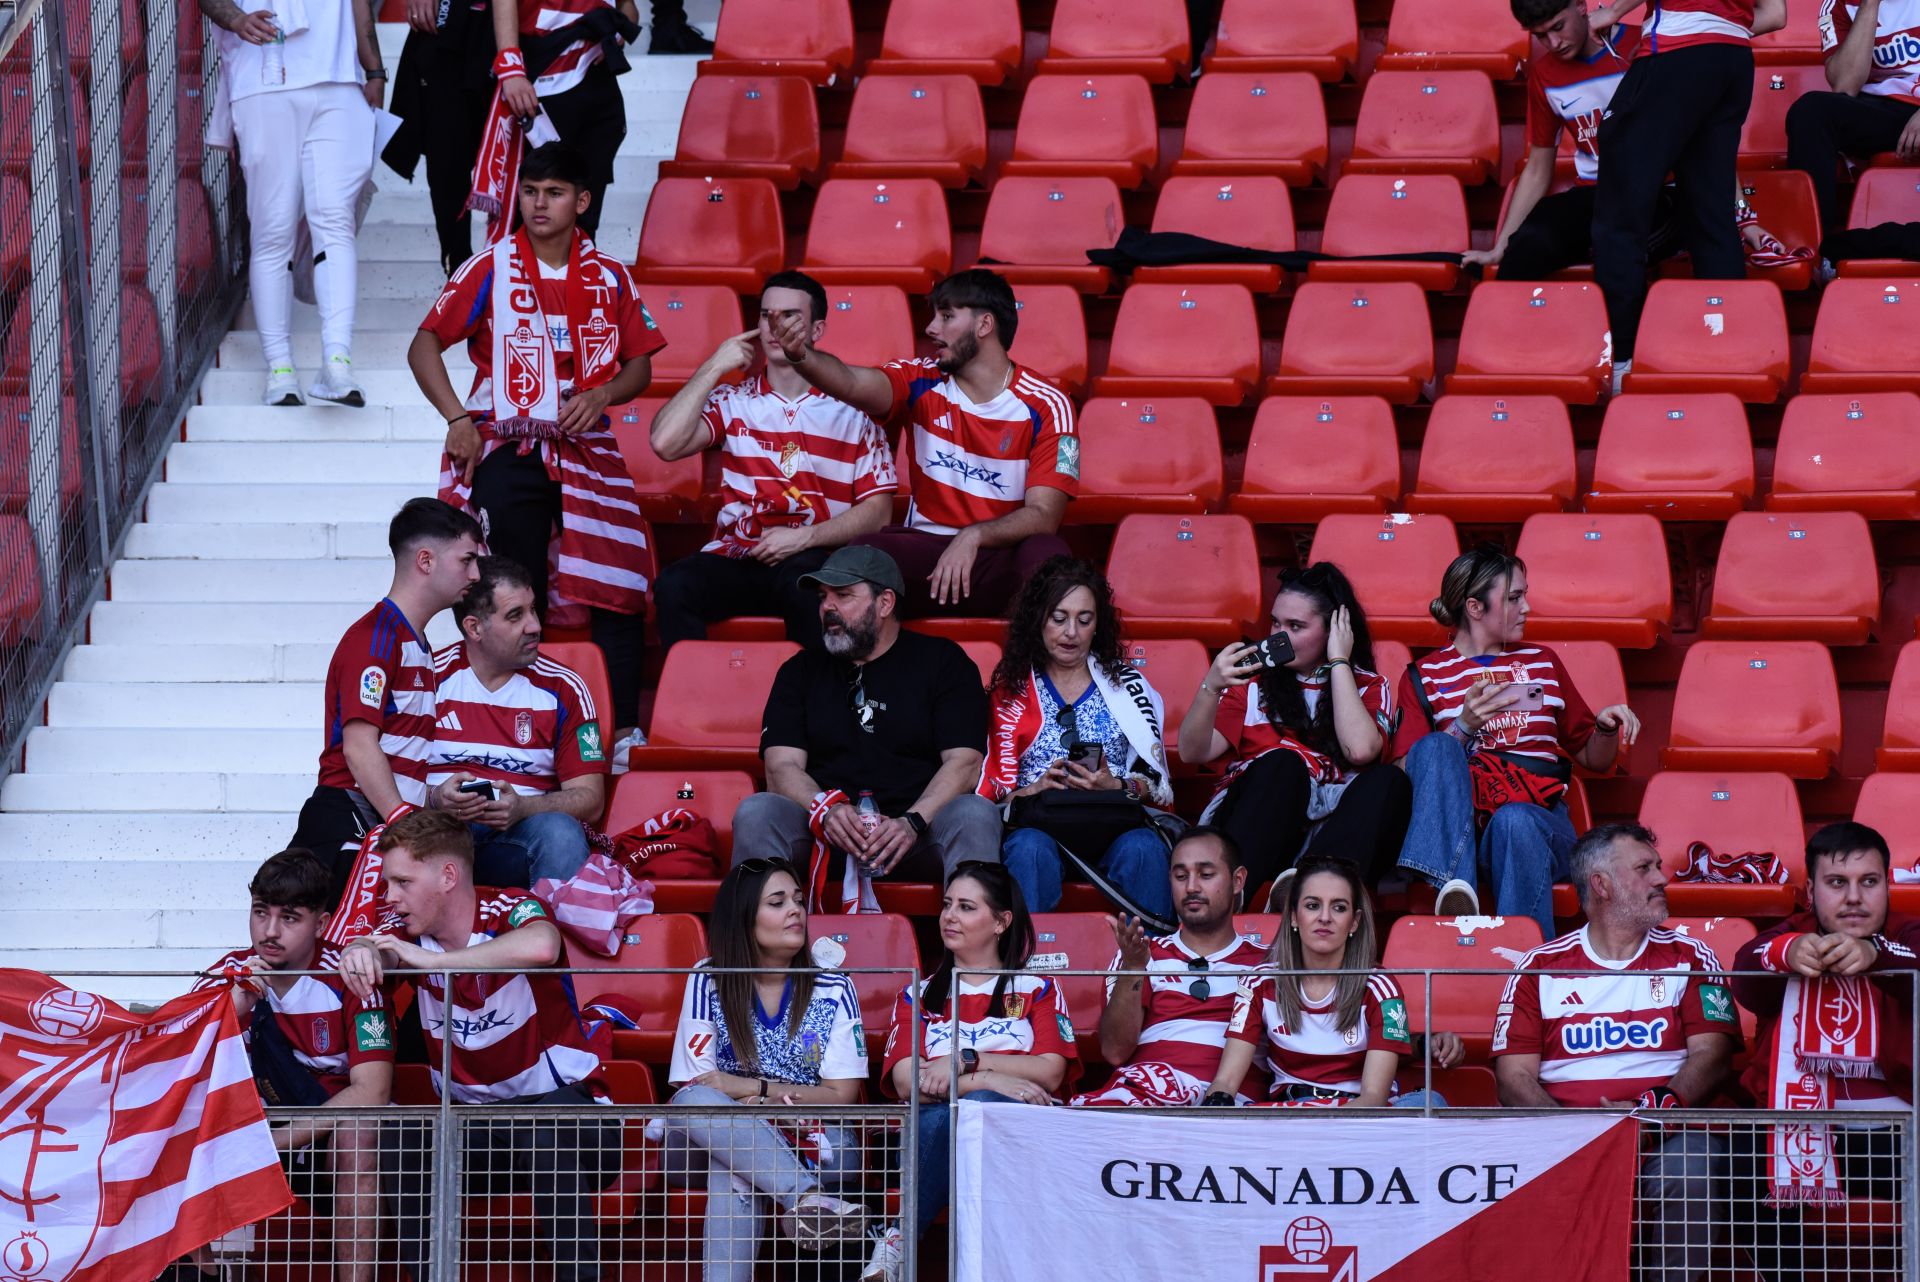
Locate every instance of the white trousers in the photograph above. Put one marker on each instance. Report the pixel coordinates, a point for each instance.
(307, 150)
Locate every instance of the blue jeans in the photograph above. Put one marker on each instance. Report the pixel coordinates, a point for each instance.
(1418, 1099)
(1136, 863)
(1523, 849)
(930, 1182)
(549, 844)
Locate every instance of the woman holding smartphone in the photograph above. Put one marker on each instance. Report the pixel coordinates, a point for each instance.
(1489, 731)
(1298, 726)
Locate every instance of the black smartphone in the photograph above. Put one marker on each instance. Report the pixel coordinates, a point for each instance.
(1088, 756)
(478, 788)
(1275, 651)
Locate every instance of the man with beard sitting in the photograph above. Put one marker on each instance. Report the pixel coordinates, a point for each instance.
(896, 714)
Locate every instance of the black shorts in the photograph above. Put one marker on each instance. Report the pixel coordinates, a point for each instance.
(332, 824)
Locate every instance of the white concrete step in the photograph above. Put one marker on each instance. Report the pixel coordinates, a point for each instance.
(372, 349)
(207, 932)
(295, 540)
(68, 751)
(290, 463)
(415, 421)
(370, 312)
(361, 580)
(175, 623)
(71, 965)
(184, 704)
(125, 793)
(174, 841)
(204, 504)
(625, 208)
(260, 661)
(382, 387)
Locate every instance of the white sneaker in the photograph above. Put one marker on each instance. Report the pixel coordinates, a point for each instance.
(626, 743)
(1457, 899)
(336, 383)
(817, 1221)
(888, 1258)
(283, 387)
(1277, 897)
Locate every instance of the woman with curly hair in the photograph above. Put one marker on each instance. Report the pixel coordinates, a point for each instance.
(1070, 714)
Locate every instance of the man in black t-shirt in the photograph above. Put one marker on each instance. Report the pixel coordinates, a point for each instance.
(881, 710)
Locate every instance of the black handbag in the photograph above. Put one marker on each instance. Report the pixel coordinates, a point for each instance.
(1082, 819)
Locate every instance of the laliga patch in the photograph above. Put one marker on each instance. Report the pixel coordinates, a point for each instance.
(525, 911)
(1716, 1004)
(1068, 463)
(588, 738)
(371, 1031)
(373, 686)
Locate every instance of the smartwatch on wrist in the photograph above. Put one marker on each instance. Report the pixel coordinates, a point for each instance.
(969, 1061)
(914, 821)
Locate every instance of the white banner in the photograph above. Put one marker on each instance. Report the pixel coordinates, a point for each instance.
(1251, 1196)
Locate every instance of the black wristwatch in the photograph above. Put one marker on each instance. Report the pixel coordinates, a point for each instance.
(969, 1061)
(919, 825)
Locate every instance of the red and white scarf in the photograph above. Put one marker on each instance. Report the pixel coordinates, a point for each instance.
(855, 893)
(1828, 1027)
(496, 169)
(361, 910)
(1136, 708)
(526, 381)
(1757, 868)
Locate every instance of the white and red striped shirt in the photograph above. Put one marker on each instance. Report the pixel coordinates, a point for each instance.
(1895, 72)
(331, 1031)
(1243, 722)
(1573, 94)
(970, 462)
(1614, 1029)
(1678, 24)
(381, 673)
(570, 67)
(536, 731)
(1034, 1022)
(1180, 1035)
(789, 464)
(1318, 1053)
(514, 1036)
(1559, 729)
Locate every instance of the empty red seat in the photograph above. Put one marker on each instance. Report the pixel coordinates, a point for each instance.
(1755, 705)
(1545, 338)
(1865, 337)
(873, 942)
(16, 448)
(1146, 455)
(1854, 453)
(1356, 340)
(1184, 340)
(1463, 1004)
(1712, 336)
(1319, 37)
(921, 126)
(711, 698)
(1256, 122)
(1040, 229)
(1596, 578)
(748, 127)
(1308, 458)
(1395, 563)
(1251, 210)
(1076, 941)
(1734, 814)
(1086, 126)
(1596, 671)
(1763, 139)
(141, 348)
(1379, 214)
(1793, 576)
(1427, 122)
(1884, 194)
(1797, 42)
(930, 37)
(1052, 338)
(590, 665)
(985, 656)
(868, 324)
(1186, 576)
(1683, 456)
(1900, 734)
(725, 232)
(1127, 37)
(694, 319)
(1726, 936)
(16, 235)
(1784, 202)
(714, 795)
(1477, 34)
(1890, 805)
(1493, 458)
(667, 940)
(778, 37)
(1174, 666)
(673, 491)
(893, 231)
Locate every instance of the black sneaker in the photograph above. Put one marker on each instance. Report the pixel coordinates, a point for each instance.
(681, 38)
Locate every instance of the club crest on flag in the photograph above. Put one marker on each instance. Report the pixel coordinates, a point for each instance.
(65, 1013)
(1306, 1251)
(597, 339)
(526, 367)
(523, 728)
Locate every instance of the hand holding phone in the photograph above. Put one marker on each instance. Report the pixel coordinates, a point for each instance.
(1275, 651)
(481, 788)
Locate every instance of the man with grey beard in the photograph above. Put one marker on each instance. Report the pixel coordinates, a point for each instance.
(895, 714)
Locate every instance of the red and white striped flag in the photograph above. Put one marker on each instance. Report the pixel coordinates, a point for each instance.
(126, 1141)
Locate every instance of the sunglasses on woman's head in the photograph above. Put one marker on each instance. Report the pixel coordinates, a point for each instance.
(754, 867)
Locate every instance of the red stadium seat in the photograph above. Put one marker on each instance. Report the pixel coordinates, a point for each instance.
(1174, 667)
(1900, 737)
(16, 448)
(714, 795)
(774, 37)
(1807, 575)
(711, 698)
(727, 232)
(1395, 563)
(590, 665)
(16, 235)
(1763, 139)
(694, 319)
(20, 593)
(668, 492)
(1596, 578)
(1684, 457)
(1427, 122)
(1784, 202)
(1488, 458)
(141, 348)
(1595, 669)
(1319, 37)
(748, 127)
(1076, 941)
(873, 940)
(985, 656)
(891, 231)
(1476, 34)
(1086, 127)
(1052, 337)
(921, 126)
(1379, 214)
(1890, 804)
(1797, 42)
(1256, 122)
(1038, 230)
(1755, 705)
(1883, 195)
(1726, 936)
(1186, 576)
(653, 1001)
(1146, 456)
(1463, 1004)
(868, 324)
(1390, 659)
(1865, 337)
(1251, 210)
(1712, 336)
(929, 37)
(1526, 338)
(1356, 340)
(1135, 37)
(1184, 340)
(1309, 458)
(1734, 814)
(1261, 928)
(1853, 453)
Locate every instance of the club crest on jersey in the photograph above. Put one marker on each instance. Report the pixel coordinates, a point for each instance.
(789, 459)
(523, 728)
(322, 1035)
(1016, 1004)
(1657, 987)
(526, 372)
(597, 338)
(373, 686)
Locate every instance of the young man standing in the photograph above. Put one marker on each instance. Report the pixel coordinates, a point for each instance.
(379, 690)
(556, 332)
(803, 474)
(993, 456)
(312, 1044)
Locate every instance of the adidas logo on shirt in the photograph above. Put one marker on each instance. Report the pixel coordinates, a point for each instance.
(451, 721)
(1571, 999)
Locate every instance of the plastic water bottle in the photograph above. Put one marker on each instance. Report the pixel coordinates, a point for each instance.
(273, 59)
(869, 812)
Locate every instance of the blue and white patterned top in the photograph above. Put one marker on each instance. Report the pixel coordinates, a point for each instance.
(831, 1044)
(1096, 725)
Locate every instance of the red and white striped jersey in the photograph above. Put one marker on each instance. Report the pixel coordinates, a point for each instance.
(570, 68)
(1573, 94)
(331, 1031)
(1242, 721)
(1895, 72)
(1035, 1022)
(1615, 1029)
(535, 732)
(381, 673)
(1318, 1053)
(514, 1036)
(1560, 728)
(789, 464)
(1676, 24)
(968, 462)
